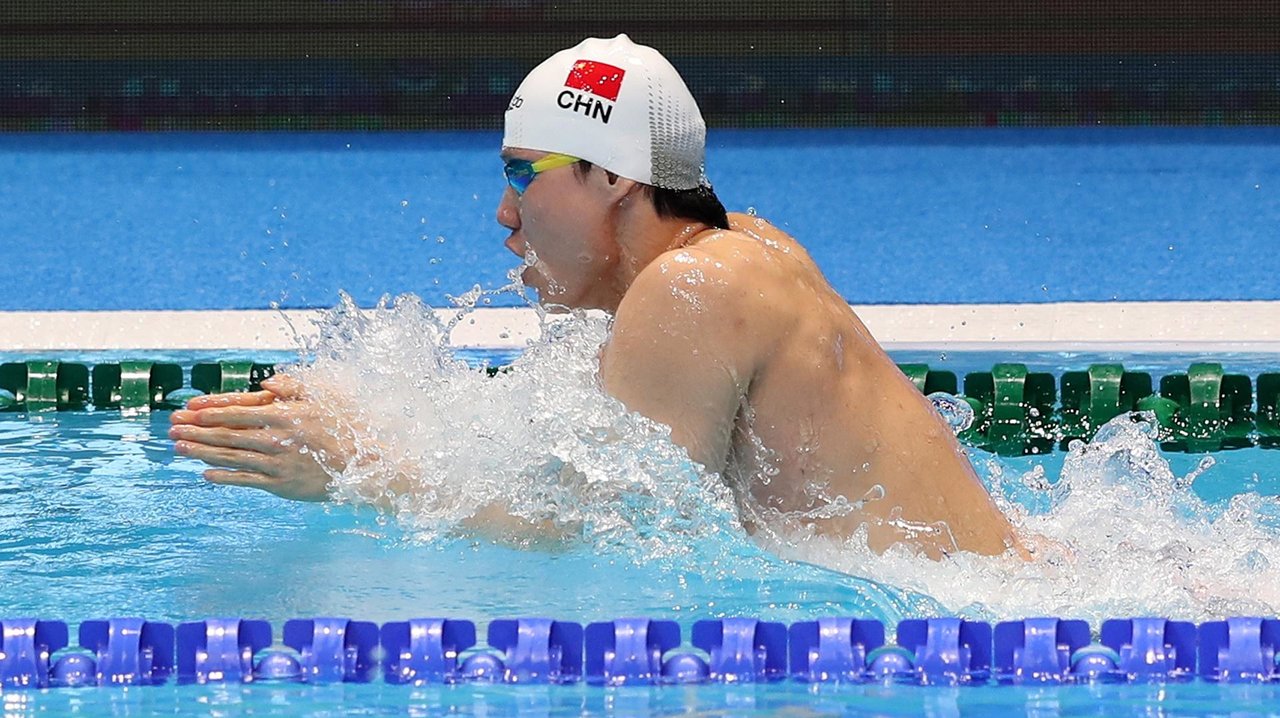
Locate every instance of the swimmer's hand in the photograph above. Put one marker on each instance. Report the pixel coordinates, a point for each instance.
(257, 439)
(275, 440)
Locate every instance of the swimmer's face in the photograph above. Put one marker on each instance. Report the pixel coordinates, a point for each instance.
(560, 226)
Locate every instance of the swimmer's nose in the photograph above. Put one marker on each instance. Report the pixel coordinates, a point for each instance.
(508, 210)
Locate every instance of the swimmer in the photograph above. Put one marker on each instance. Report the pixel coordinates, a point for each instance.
(723, 327)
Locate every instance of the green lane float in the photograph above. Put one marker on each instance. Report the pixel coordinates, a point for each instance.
(1267, 419)
(134, 385)
(43, 385)
(930, 380)
(229, 376)
(1215, 410)
(1095, 396)
(1016, 411)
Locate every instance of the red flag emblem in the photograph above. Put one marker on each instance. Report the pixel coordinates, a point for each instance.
(597, 78)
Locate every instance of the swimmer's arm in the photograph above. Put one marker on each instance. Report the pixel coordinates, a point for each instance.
(675, 354)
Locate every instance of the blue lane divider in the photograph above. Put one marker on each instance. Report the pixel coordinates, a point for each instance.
(833, 649)
(743, 650)
(629, 651)
(638, 651)
(948, 651)
(28, 644)
(1037, 650)
(425, 650)
(220, 649)
(529, 650)
(1152, 649)
(333, 650)
(128, 651)
(1240, 650)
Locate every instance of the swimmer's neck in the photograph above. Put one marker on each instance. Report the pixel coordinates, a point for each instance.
(641, 237)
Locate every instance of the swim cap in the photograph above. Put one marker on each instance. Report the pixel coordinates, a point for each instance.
(616, 104)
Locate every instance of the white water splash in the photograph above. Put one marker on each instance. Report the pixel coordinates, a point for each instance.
(441, 443)
(540, 440)
(1118, 534)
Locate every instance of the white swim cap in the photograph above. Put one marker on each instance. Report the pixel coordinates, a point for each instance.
(616, 104)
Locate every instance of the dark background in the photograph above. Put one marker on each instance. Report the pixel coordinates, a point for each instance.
(416, 64)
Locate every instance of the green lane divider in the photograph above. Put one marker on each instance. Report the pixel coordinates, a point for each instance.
(1093, 397)
(229, 376)
(1017, 410)
(45, 385)
(134, 385)
(1214, 408)
(928, 380)
(1267, 420)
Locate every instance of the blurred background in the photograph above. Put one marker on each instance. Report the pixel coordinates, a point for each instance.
(418, 64)
(925, 151)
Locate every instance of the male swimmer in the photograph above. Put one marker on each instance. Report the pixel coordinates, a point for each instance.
(723, 327)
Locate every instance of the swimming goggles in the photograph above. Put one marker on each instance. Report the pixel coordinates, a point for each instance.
(520, 173)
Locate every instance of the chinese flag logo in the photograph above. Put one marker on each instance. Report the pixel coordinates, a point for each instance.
(597, 78)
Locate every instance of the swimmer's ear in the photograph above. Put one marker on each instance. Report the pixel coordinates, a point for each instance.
(619, 186)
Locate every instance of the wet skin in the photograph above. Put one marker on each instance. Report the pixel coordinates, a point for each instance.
(732, 337)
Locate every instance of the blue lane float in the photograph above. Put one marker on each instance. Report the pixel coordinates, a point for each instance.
(35, 653)
(1038, 650)
(220, 649)
(833, 649)
(1152, 650)
(743, 650)
(628, 651)
(28, 646)
(333, 650)
(425, 650)
(1240, 650)
(529, 650)
(124, 651)
(947, 651)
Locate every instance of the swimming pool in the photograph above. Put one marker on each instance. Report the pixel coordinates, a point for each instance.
(102, 520)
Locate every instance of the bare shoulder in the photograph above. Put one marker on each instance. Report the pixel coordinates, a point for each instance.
(717, 276)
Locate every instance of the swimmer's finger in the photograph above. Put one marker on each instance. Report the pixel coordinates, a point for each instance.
(259, 440)
(227, 458)
(251, 479)
(236, 398)
(283, 386)
(266, 416)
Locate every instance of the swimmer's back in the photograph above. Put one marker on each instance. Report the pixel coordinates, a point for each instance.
(837, 414)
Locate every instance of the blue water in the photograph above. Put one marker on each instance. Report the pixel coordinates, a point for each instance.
(783, 700)
(216, 221)
(100, 518)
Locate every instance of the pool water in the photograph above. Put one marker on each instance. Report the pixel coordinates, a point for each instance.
(100, 518)
(890, 215)
(727, 701)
